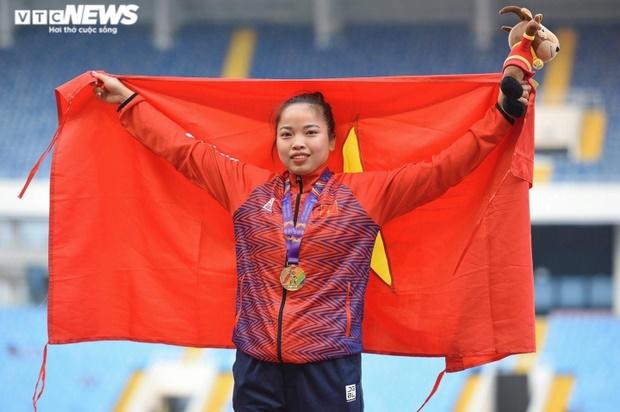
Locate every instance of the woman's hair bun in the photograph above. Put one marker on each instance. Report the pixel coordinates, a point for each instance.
(318, 95)
(315, 98)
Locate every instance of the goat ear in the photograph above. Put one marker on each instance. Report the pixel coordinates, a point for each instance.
(507, 29)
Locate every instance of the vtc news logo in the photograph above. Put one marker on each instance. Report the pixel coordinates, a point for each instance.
(80, 14)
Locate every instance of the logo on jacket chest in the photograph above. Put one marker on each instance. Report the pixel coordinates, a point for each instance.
(268, 207)
(326, 210)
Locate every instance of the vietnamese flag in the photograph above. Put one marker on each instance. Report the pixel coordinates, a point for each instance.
(138, 252)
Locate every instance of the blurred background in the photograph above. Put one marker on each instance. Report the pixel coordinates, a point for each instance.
(575, 202)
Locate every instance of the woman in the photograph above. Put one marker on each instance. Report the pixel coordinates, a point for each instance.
(299, 304)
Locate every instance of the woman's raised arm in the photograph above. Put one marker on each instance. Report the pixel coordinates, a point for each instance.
(388, 194)
(227, 179)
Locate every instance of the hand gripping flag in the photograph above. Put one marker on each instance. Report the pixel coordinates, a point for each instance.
(138, 252)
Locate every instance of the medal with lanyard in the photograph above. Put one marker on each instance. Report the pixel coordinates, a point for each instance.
(293, 276)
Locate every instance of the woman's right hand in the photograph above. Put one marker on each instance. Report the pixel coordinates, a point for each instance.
(110, 89)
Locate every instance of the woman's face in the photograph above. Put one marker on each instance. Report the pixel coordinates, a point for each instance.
(302, 138)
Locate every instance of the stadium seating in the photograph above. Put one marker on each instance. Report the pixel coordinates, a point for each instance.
(572, 292)
(282, 51)
(92, 373)
(596, 69)
(581, 345)
(38, 62)
(586, 346)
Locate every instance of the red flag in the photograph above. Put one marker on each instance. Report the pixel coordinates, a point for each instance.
(138, 252)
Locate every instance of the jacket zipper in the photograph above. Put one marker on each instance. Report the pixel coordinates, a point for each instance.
(284, 291)
(240, 301)
(348, 310)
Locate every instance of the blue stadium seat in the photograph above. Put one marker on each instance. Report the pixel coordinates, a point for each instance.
(601, 290)
(37, 280)
(572, 291)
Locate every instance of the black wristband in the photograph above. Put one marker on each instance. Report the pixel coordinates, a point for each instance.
(503, 112)
(127, 100)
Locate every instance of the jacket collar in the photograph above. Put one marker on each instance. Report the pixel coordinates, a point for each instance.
(308, 180)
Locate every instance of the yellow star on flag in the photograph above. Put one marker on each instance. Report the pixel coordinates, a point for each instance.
(353, 164)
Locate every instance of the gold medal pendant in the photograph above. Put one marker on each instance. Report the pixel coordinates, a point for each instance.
(292, 277)
(538, 63)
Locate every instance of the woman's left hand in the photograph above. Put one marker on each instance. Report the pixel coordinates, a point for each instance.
(525, 96)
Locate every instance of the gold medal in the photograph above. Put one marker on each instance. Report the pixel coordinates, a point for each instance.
(292, 277)
(538, 63)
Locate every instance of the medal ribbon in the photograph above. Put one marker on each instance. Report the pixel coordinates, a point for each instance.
(293, 233)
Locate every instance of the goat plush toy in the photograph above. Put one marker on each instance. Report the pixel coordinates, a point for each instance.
(531, 46)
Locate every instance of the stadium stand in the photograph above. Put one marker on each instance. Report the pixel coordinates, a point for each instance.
(358, 51)
(585, 346)
(95, 372)
(82, 372)
(595, 69)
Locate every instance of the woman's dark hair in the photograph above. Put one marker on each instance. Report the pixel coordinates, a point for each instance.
(314, 99)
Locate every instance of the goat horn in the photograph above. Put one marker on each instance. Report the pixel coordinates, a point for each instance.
(516, 10)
